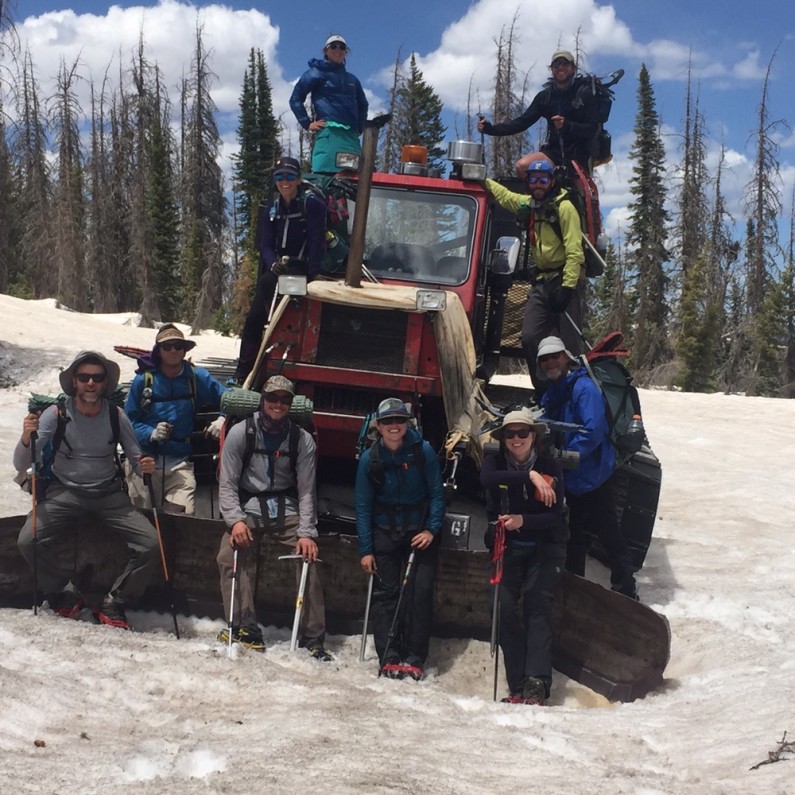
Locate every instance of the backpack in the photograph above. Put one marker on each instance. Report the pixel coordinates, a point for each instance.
(594, 265)
(601, 89)
(44, 473)
(622, 403)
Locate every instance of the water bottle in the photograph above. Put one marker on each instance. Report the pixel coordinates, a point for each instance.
(635, 434)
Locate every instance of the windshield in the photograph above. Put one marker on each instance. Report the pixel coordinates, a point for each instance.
(421, 237)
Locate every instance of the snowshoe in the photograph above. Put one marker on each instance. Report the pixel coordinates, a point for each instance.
(518, 699)
(391, 668)
(66, 604)
(112, 614)
(250, 637)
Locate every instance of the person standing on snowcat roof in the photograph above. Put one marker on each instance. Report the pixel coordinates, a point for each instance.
(570, 108)
(535, 551)
(267, 485)
(86, 481)
(399, 512)
(573, 397)
(339, 106)
(555, 236)
(291, 238)
(161, 405)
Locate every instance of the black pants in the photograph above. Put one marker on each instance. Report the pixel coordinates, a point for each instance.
(413, 628)
(527, 592)
(594, 514)
(540, 321)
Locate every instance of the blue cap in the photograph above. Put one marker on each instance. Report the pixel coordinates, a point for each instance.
(541, 165)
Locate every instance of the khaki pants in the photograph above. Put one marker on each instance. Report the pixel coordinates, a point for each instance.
(313, 618)
(179, 489)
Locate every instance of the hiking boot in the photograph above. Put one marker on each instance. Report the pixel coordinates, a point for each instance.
(250, 637)
(534, 691)
(319, 653)
(112, 614)
(66, 604)
(629, 590)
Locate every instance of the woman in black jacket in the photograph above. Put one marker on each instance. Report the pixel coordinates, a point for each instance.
(535, 551)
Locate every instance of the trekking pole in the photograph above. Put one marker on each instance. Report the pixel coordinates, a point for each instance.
(366, 617)
(577, 329)
(496, 579)
(229, 626)
(392, 629)
(299, 599)
(169, 584)
(33, 488)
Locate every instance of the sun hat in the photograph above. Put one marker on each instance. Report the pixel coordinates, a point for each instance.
(550, 345)
(520, 417)
(278, 383)
(170, 332)
(565, 54)
(112, 372)
(335, 37)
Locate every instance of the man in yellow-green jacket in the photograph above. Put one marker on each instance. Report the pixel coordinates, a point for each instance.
(555, 238)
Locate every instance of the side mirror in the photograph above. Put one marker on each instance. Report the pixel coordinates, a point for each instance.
(504, 257)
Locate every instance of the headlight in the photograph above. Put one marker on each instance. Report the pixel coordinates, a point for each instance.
(476, 171)
(431, 300)
(347, 161)
(292, 285)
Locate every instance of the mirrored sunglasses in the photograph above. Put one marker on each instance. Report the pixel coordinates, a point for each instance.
(522, 433)
(540, 180)
(176, 345)
(284, 177)
(84, 378)
(394, 421)
(274, 397)
(337, 45)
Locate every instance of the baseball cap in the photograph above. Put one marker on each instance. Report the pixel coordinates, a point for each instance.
(278, 383)
(392, 407)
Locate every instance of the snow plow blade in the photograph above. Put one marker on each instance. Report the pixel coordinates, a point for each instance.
(613, 645)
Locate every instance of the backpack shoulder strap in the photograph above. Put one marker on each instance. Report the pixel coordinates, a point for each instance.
(419, 458)
(59, 436)
(295, 437)
(251, 441)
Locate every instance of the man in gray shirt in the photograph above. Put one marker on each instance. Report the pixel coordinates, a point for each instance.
(267, 485)
(86, 481)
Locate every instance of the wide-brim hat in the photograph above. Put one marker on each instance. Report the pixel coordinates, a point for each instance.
(170, 332)
(112, 372)
(278, 383)
(520, 417)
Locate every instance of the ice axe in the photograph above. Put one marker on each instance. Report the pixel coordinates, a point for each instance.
(498, 557)
(393, 627)
(299, 599)
(169, 584)
(230, 625)
(366, 617)
(35, 501)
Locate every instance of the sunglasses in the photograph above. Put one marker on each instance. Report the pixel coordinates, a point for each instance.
(560, 62)
(337, 45)
(539, 180)
(285, 400)
(284, 177)
(393, 421)
(84, 378)
(522, 433)
(172, 346)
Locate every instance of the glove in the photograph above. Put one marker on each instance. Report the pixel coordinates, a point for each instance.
(214, 428)
(559, 298)
(280, 266)
(161, 432)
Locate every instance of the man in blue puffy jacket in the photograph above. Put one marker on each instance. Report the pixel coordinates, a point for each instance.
(399, 509)
(339, 106)
(161, 404)
(572, 396)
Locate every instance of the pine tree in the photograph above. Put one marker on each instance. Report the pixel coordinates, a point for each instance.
(647, 231)
(417, 118)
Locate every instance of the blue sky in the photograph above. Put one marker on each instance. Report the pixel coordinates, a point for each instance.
(454, 45)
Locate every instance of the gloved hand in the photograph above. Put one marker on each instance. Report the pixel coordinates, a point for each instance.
(280, 266)
(214, 428)
(559, 298)
(161, 432)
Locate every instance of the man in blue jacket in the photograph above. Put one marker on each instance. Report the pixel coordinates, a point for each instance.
(339, 106)
(572, 396)
(399, 510)
(161, 404)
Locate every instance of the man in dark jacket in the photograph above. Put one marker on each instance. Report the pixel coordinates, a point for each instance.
(291, 238)
(572, 396)
(569, 106)
(339, 106)
(86, 481)
(399, 511)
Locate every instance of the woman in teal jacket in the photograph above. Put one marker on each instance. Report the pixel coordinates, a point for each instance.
(399, 511)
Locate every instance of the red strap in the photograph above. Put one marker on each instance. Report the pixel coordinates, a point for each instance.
(499, 553)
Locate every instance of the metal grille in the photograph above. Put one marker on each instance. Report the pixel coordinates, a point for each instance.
(362, 339)
(339, 400)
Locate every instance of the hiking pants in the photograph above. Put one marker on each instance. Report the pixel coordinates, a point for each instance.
(64, 508)
(527, 592)
(540, 321)
(594, 514)
(313, 617)
(179, 489)
(413, 628)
